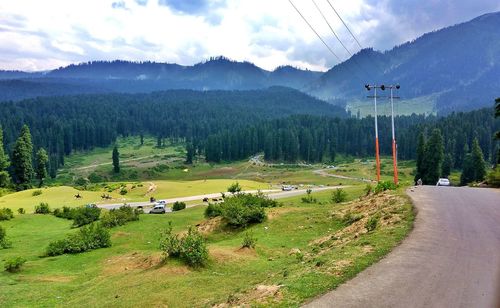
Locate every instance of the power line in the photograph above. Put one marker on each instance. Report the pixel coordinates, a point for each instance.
(335, 34)
(338, 15)
(333, 53)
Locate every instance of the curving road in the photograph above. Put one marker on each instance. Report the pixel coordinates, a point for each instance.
(450, 259)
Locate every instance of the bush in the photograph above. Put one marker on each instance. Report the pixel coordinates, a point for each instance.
(89, 237)
(4, 243)
(42, 208)
(383, 186)
(368, 189)
(14, 265)
(339, 195)
(238, 214)
(119, 217)
(234, 188)
(350, 218)
(191, 249)
(37, 192)
(371, 224)
(6, 214)
(249, 241)
(178, 206)
(309, 198)
(123, 191)
(85, 215)
(213, 210)
(21, 210)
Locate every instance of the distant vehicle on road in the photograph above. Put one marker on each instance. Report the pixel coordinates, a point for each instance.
(443, 182)
(162, 202)
(286, 188)
(158, 209)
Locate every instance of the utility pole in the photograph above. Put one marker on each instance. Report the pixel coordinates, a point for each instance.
(394, 145)
(377, 151)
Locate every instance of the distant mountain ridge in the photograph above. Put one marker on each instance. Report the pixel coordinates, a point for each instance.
(453, 69)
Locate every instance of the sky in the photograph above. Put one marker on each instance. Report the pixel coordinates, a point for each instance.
(41, 35)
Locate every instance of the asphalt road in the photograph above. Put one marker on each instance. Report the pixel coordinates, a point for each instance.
(271, 193)
(450, 259)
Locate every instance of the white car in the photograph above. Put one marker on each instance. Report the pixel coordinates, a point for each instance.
(443, 182)
(158, 209)
(287, 188)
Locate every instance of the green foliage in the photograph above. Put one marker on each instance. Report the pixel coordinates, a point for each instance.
(4, 242)
(95, 178)
(123, 191)
(191, 248)
(81, 182)
(339, 195)
(234, 188)
(22, 163)
(371, 224)
(368, 189)
(42, 160)
(6, 214)
(65, 212)
(433, 158)
(42, 208)
(474, 166)
(420, 157)
(446, 168)
(309, 198)
(384, 185)
(120, 216)
(37, 192)
(249, 240)
(350, 218)
(89, 237)
(116, 160)
(178, 206)
(213, 210)
(13, 265)
(21, 210)
(494, 177)
(4, 163)
(189, 153)
(85, 215)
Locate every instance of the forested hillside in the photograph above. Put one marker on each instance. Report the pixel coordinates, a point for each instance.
(67, 123)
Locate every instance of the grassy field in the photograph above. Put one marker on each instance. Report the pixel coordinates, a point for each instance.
(65, 196)
(422, 105)
(130, 273)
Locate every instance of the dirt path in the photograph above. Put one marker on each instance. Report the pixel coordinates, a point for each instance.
(451, 258)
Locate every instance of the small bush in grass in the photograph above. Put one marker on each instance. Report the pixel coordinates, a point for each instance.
(383, 186)
(120, 216)
(6, 214)
(371, 224)
(123, 191)
(213, 210)
(339, 195)
(368, 189)
(249, 240)
(42, 208)
(37, 192)
(178, 206)
(191, 248)
(65, 212)
(350, 218)
(4, 243)
(89, 237)
(14, 265)
(309, 198)
(85, 215)
(21, 210)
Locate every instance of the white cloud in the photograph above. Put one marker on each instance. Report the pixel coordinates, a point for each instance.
(38, 35)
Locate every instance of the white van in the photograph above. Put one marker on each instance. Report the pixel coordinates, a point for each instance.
(158, 209)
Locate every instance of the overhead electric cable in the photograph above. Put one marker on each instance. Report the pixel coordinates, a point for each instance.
(338, 15)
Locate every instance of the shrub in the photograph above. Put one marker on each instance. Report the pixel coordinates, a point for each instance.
(309, 198)
(178, 206)
(191, 248)
(14, 265)
(21, 210)
(123, 191)
(65, 212)
(213, 210)
(350, 218)
(6, 214)
(89, 237)
(119, 217)
(371, 224)
(368, 189)
(4, 243)
(95, 178)
(85, 215)
(249, 240)
(234, 188)
(82, 182)
(239, 214)
(383, 186)
(339, 195)
(42, 208)
(37, 192)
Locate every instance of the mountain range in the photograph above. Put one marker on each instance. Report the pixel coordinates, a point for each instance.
(453, 69)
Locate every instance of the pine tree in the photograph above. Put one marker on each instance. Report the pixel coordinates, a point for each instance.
(116, 160)
(42, 160)
(433, 158)
(446, 168)
(4, 163)
(22, 161)
(467, 175)
(189, 153)
(420, 157)
(478, 161)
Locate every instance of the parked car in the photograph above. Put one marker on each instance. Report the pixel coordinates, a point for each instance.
(162, 202)
(443, 182)
(286, 188)
(158, 209)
